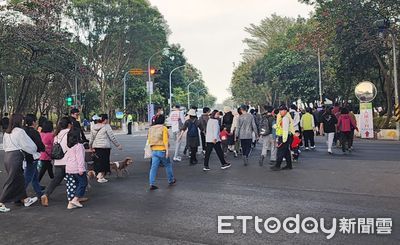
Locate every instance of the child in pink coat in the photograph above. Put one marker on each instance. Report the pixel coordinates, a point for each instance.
(75, 170)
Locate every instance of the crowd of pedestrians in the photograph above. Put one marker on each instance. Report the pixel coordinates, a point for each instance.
(32, 148)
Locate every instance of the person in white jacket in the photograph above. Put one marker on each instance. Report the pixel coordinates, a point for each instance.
(16, 143)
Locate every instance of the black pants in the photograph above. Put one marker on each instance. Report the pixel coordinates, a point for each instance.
(130, 128)
(46, 167)
(284, 152)
(351, 138)
(296, 153)
(346, 137)
(308, 137)
(203, 140)
(59, 174)
(246, 146)
(218, 150)
(193, 152)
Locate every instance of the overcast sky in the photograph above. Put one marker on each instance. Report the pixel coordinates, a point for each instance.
(211, 32)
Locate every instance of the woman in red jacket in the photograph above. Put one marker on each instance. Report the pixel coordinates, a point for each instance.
(345, 126)
(47, 136)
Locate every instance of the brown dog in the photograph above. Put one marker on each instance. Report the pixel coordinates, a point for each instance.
(121, 167)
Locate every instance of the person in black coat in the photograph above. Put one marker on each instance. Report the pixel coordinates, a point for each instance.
(192, 136)
(31, 173)
(76, 124)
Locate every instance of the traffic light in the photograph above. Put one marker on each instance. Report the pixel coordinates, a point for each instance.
(154, 71)
(69, 101)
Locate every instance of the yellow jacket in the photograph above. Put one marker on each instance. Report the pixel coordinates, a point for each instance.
(284, 125)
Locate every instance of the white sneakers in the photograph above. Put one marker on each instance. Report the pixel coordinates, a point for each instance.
(177, 159)
(102, 180)
(29, 201)
(3, 208)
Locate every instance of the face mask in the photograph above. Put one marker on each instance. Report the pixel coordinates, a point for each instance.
(161, 112)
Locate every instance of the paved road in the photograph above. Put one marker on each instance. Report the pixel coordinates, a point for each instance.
(123, 211)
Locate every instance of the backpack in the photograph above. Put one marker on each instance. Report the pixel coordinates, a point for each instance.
(265, 126)
(345, 124)
(57, 152)
(192, 130)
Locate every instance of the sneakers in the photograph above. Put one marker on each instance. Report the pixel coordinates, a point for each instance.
(330, 152)
(153, 187)
(172, 183)
(206, 169)
(29, 201)
(4, 209)
(307, 149)
(225, 166)
(313, 147)
(235, 154)
(177, 159)
(102, 180)
(44, 200)
(71, 206)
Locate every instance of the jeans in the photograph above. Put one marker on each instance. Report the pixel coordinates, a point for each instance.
(59, 174)
(159, 157)
(269, 144)
(218, 149)
(246, 146)
(76, 185)
(32, 176)
(177, 144)
(308, 137)
(329, 140)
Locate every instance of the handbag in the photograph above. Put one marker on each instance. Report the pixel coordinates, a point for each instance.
(24, 162)
(57, 152)
(147, 150)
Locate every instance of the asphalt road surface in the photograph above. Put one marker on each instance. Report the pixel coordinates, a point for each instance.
(364, 184)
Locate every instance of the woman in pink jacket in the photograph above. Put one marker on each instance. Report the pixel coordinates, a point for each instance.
(75, 170)
(45, 157)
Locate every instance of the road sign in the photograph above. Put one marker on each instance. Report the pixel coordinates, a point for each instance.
(366, 121)
(149, 86)
(365, 91)
(119, 115)
(150, 112)
(136, 72)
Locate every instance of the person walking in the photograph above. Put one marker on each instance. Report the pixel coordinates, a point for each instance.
(193, 139)
(245, 130)
(353, 117)
(227, 121)
(295, 116)
(74, 118)
(129, 120)
(203, 126)
(15, 144)
(60, 137)
(100, 142)
(236, 116)
(75, 170)
(328, 127)
(159, 142)
(31, 173)
(345, 125)
(214, 142)
(265, 132)
(307, 125)
(5, 122)
(160, 111)
(177, 120)
(47, 137)
(284, 132)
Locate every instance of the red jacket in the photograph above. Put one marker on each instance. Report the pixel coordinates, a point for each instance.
(224, 135)
(296, 142)
(48, 140)
(346, 123)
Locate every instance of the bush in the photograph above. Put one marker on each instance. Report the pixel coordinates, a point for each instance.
(379, 121)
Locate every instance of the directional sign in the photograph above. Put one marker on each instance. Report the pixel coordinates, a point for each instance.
(119, 115)
(366, 121)
(136, 72)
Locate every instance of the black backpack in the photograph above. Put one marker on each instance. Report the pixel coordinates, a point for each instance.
(57, 152)
(192, 130)
(265, 126)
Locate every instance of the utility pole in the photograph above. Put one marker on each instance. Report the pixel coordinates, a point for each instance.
(320, 77)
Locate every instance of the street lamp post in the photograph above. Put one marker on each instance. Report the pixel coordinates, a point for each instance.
(198, 94)
(188, 92)
(150, 82)
(170, 86)
(5, 92)
(320, 76)
(124, 120)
